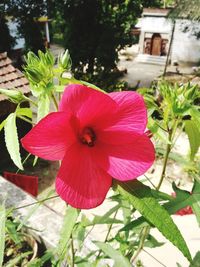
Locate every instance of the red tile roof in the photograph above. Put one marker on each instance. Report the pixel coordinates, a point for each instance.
(10, 77)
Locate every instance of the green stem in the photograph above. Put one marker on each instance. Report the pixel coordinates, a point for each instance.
(109, 230)
(72, 250)
(25, 119)
(54, 101)
(164, 166)
(149, 181)
(144, 233)
(29, 154)
(172, 132)
(146, 229)
(34, 203)
(30, 100)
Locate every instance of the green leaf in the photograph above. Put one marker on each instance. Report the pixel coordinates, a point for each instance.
(2, 125)
(24, 112)
(59, 88)
(16, 260)
(11, 231)
(196, 210)
(196, 196)
(141, 198)
(194, 112)
(85, 262)
(105, 219)
(183, 198)
(119, 259)
(11, 139)
(2, 232)
(196, 260)
(70, 218)
(152, 242)
(135, 224)
(194, 137)
(43, 107)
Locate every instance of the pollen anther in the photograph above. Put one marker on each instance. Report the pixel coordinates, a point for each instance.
(88, 137)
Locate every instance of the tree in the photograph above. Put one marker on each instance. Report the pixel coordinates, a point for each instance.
(7, 40)
(187, 9)
(26, 12)
(95, 30)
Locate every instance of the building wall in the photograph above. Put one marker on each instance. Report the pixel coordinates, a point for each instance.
(151, 25)
(185, 46)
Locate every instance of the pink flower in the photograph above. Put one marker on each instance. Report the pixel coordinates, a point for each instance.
(97, 136)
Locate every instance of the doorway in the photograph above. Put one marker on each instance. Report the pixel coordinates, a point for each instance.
(156, 44)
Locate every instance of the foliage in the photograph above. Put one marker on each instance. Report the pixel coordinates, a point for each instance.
(7, 40)
(26, 14)
(187, 9)
(175, 106)
(95, 30)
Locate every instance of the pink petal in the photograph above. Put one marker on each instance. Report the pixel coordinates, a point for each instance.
(125, 162)
(90, 106)
(80, 182)
(132, 113)
(116, 137)
(50, 138)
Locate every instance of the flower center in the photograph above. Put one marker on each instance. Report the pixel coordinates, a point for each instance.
(88, 137)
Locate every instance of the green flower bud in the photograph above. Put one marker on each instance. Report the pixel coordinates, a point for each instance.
(14, 95)
(64, 60)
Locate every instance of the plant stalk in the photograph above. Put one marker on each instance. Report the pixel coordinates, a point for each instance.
(54, 101)
(72, 251)
(144, 233)
(172, 132)
(146, 229)
(36, 202)
(109, 230)
(25, 119)
(30, 100)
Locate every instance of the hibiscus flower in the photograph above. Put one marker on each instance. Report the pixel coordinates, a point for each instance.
(98, 137)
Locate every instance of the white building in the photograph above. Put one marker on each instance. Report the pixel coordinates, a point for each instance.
(156, 33)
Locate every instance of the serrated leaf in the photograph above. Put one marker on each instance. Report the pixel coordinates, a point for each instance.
(2, 232)
(43, 107)
(11, 140)
(141, 198)
(196, 260)
(183, 199)
(135, 224)
(193, 133)
(70, 218)
(119, 259)
(24, 112)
